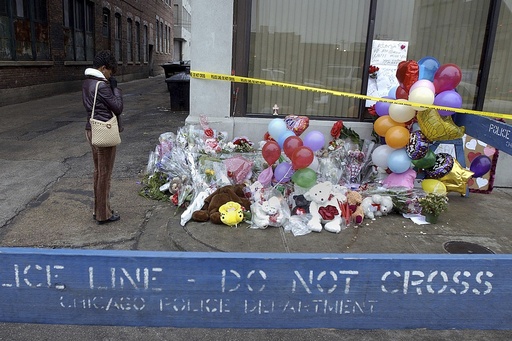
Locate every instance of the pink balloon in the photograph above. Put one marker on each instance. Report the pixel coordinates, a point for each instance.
(447, 77)
(423, 83)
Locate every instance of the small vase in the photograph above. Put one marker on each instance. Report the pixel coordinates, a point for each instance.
(431, 218)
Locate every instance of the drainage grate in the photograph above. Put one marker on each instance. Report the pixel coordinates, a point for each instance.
(458, 247)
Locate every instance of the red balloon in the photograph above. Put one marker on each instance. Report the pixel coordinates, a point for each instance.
(407, 73)
(290, 144)
(447, 77)
(302, 157)
(271, 152)
(401, 93)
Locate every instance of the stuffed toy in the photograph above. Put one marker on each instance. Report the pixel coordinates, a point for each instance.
(231, 213)
(176, 184)
(268, 213)
(221, 196)
(377, 205)
(354, 200)
(256, 190)
(301, 205)
(325, 207)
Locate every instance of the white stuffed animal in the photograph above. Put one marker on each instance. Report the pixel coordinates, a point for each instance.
(325, 207)
(267, 213)
(377, 205)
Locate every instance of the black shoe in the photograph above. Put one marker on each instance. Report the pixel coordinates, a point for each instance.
(94, 215)
(114, 217)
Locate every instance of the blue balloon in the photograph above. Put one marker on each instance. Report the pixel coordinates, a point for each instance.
(427, 68)
(284, 135)
(398, 161)
(276, 127)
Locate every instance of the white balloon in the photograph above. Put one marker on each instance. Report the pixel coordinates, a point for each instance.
(380, 155)
(401, 113)
(422, 95)
(314, 164)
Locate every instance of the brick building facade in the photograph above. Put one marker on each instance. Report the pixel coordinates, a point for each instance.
(45, 45)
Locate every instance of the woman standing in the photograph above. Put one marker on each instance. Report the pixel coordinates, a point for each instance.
(109, 101)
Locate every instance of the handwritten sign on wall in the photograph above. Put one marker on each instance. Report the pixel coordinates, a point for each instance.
(386, 55)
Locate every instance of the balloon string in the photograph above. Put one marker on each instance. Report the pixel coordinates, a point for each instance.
(283, 177)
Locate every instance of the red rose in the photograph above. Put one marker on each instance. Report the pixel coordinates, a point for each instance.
(208, 132)
(336, 129)
(267, 137)
(372, 111)
(373, 69)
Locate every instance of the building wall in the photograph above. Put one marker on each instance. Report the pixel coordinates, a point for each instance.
(24, 80)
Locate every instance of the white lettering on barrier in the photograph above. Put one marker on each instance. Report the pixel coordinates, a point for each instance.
(499, 131)
(325, 285)
(35, 276)
(104, 303)
(139, 279)
(436, 282)
(332, 275)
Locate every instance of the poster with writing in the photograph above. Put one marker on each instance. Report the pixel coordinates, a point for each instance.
(386, 55)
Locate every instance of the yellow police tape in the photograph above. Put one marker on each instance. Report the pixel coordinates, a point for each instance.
(256, 81)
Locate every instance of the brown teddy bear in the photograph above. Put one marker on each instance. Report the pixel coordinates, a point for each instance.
(354, 200)
(212, 203)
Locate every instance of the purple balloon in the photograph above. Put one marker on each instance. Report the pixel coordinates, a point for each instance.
(382, 108)
(480, 165)
(314, 140)
(449, 98)
(283, 172)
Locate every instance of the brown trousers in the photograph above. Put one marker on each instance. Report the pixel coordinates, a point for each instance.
(103, 158)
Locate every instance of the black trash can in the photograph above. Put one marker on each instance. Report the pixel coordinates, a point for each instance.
(179, 90)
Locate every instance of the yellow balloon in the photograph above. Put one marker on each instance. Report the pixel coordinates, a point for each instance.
(433, 186)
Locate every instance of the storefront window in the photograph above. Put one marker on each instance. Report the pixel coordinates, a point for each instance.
(449, 31)
(498, 97)
(317, 43)
(324, 44)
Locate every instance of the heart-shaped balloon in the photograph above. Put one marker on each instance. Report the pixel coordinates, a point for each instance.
(297, 124)
(438, 128)
(407, 74)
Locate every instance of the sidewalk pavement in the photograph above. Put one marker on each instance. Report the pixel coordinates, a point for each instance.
(46, 201)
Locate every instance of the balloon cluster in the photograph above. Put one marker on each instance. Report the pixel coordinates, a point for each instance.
(409, 130)
(301, 164)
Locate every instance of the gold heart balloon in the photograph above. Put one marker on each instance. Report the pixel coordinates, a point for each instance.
(438, 128)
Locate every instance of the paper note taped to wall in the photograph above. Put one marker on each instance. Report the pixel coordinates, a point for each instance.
(386, 55)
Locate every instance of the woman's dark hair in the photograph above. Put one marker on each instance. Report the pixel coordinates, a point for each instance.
(107, 59)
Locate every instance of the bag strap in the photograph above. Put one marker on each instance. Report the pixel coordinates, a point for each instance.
(95, 94)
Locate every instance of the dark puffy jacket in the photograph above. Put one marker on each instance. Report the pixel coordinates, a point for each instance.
(108, 101)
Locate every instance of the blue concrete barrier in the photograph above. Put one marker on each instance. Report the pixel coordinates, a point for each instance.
(254, 290)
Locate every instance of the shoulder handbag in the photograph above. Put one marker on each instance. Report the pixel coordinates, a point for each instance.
(104, 134)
